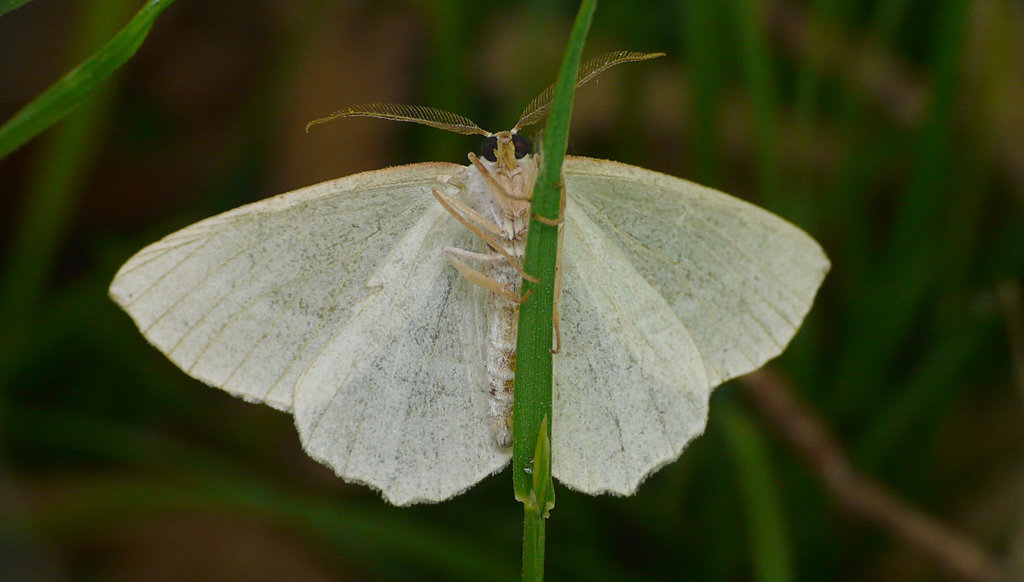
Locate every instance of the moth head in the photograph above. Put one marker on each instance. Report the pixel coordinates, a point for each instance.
(505, 147)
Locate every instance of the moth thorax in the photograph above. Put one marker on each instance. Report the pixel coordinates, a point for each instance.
(518, 183)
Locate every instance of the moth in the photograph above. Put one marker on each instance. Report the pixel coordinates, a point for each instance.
(380, 309)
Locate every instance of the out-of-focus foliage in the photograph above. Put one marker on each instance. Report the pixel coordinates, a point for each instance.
(891, 130)
(8, 5)
(67, 93)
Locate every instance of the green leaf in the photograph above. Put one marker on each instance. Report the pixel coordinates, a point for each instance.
(8, 5)
(64, 95)
(543, 496)
(533, 349)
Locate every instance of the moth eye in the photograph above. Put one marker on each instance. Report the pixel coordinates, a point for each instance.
(489, 149)
(522, 145)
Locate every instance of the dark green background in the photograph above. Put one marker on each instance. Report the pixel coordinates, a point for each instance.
(891, 130)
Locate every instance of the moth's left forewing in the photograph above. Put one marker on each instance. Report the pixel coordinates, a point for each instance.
(335, 302)
(243, 299)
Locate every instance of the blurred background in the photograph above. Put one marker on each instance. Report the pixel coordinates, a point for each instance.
(891, 130)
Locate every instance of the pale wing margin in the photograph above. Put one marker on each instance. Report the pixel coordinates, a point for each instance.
(398, 398)
(244, 300)
(740, 278)
(629, 385)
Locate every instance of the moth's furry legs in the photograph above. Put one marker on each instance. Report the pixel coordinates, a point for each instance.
(463, 213)
(469, 218)
(473, 256)
(479, 279)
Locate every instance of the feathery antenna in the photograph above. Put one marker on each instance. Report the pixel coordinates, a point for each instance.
(539, 107)
(438, 118)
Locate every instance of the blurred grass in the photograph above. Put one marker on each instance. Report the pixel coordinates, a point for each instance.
(370, 534)
(8, 5)
(761, 84)
(889, 130)
(55, 180)
(66, 94)
(759, 488)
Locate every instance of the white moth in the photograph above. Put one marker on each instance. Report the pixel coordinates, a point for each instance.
(355, 304)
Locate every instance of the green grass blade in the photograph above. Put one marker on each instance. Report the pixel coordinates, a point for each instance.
(533, 349)
(52, 188)
(542, 499)
(899, 292)
(769, 540)
(761, 83)
(930, 388)
(64, 95)
(705, 47)
(8, 5)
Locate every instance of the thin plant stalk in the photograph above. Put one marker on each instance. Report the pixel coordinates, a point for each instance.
(531, 460)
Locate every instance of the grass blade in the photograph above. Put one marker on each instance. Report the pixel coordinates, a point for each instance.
(759, 488)
(53, 185)
(64, 95)
(8, 5)
(761, 83)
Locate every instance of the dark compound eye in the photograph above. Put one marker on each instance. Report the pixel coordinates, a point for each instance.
(489, 148)
(522, 145)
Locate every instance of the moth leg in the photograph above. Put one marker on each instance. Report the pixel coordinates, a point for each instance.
(479, 279)
(455, 208)
(460, 210)
(473, 256)
(561, 210)
(556, 317)
(492, 182)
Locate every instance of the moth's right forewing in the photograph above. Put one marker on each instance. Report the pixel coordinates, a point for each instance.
(669, 289)
(740, 278)
(630, 389)
(244, 300)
